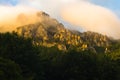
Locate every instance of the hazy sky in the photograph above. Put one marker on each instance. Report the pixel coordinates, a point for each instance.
(113, 5)
(101, 16)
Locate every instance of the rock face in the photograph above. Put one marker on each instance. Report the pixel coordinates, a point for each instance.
(49, 32)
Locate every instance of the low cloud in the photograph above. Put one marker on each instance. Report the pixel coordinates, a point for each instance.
(92, 17)
(12, 16)
(82, 13)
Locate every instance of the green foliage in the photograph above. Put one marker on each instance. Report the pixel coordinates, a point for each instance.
(9, 70)
(20, 59)
(20, 50)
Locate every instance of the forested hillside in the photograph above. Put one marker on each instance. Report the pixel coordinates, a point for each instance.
(21, 59)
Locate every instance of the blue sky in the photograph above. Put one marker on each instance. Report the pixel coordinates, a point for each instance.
(113, 5)
(12, 2)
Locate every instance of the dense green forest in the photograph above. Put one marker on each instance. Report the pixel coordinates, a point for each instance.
(21, 59)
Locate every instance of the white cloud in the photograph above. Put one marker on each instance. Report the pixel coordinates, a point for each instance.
(77, 12)
(9, 14)
(92, 17)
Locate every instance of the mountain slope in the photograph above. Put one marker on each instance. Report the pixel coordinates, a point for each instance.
(49, 32)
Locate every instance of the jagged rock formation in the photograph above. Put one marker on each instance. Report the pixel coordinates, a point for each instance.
(49, 32)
